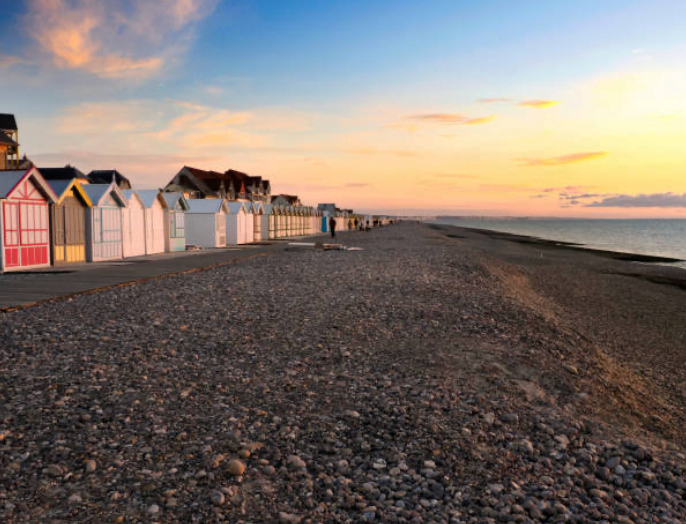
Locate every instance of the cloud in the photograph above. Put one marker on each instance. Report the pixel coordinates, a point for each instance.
(664, 200)
(493, 100)
(8, 60)
(566, 188)
(453, 175)
(375, 151)
(563, 160)
(537, 103)
(479, 120)
(449, 119)
(115, 39)
(540, 195)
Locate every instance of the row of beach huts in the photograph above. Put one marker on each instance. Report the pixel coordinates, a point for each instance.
(58, 216)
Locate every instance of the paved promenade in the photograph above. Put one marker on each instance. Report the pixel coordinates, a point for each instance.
(26, 288)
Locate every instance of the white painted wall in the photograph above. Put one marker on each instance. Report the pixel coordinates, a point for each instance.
(202, 230)
(134, 228)
(155, 219)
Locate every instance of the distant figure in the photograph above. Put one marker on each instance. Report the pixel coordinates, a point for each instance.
(332, 226)
(368, 228)
(355, 223)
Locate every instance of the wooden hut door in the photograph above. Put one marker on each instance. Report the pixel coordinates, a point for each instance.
(34, 229)
(11, 233)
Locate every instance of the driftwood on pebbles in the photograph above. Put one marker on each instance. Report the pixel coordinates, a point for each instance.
(393, 384)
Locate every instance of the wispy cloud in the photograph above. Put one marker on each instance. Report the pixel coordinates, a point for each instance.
(479, 120)
(115, 39)
(450, 119)
(493, 100)
(375, 151)
(565, 188)
(538, 103)
(563, 160)
(663, 200)
(8, 60)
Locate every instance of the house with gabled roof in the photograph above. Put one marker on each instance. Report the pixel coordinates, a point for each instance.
(9, 142)
(67, 172)
(108, 176)
(231, 185)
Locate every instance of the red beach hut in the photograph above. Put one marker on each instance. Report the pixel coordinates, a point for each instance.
(24, 222)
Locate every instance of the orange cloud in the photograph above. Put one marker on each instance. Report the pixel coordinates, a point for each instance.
(450, 119)
(113, 39)
(564, 159)
(479, 120)
(374, 151)
(540, 104)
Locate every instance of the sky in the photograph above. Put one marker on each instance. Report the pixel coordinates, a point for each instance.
(489, 107)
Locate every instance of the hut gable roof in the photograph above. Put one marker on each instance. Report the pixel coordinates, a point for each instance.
(107, 176)
(63, 188)
(8, 122)
(130, 195)
(149, 196)
(206, 205)
(172, 198)
(236, 207)
(9, 180)
(98, 193)
(62, 173)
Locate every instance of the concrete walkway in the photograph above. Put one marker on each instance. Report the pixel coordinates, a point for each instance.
(23, 289)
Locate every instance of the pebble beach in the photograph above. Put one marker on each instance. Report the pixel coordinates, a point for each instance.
(439, 375)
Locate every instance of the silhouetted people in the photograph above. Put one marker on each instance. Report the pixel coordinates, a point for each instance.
(332, 226)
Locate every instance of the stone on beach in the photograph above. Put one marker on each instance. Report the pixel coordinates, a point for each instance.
(422, 381)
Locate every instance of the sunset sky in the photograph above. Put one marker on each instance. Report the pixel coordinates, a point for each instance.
(565, 108)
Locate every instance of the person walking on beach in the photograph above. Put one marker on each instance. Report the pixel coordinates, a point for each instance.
(332, 226)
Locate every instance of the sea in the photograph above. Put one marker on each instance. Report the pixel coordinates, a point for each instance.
(657, 237)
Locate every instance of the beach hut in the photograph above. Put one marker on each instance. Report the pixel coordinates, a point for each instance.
(133, 225)
(24, 223)
(175, 232)
(236, 224)
(249, 222)
(265, 221)
(104, 233)
(155, 220)
(205, 222)
(258, 222)
(280, 221)
(68, 222)
(270, 211)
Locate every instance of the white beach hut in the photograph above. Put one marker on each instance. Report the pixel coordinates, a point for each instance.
(175, 230)
(104, 233)
(155, 220)
(258, 222)
(270, 213)
(236, 224)
(249, 222)
(205, 222)
(133, 225)
(280, 230)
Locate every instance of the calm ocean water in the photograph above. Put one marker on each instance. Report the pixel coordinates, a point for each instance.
(659, 237)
